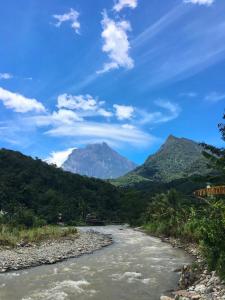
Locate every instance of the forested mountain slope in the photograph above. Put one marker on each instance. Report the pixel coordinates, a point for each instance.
(177, 158)
(48, 191)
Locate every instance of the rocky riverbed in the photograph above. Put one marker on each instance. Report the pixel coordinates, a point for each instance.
(50, 252)
(196, 281)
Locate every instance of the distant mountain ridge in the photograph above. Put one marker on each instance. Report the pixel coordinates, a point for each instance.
(177, 158)
(98, 160)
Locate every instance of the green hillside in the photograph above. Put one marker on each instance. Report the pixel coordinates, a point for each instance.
(177, 158)
(46, 191)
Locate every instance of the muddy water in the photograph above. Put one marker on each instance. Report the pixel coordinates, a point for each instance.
(135, 267)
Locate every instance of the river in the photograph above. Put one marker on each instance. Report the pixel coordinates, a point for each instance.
(135, 267)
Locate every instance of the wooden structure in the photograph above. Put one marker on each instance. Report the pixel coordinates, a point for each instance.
(92, 220)
(211, 191)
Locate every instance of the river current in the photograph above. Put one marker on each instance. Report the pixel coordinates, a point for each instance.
(135, 267)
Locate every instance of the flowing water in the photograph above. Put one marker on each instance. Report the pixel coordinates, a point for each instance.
(135, 267)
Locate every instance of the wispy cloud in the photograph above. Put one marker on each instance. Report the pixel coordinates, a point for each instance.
(72, 17)
(6, 76)
(170, 112)
(20, 103)
(200, 2)
(173, 109)
(104, 131)
(159, 26)
(116, 44)
(188, 94)
(201, 45)
(121, 4)
(59, 157)
(215, 97)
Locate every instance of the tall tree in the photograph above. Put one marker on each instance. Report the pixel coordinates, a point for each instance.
(216, 156)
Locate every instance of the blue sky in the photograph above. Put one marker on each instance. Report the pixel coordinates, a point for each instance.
(128, 72)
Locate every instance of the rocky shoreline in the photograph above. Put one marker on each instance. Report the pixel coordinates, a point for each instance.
(196, 281)
(50, 252)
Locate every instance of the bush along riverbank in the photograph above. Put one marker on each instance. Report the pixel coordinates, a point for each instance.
(199, 228)
(65, 243)
(11, 237)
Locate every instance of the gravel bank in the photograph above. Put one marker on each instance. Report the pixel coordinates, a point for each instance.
(196, 283)
(50, 252)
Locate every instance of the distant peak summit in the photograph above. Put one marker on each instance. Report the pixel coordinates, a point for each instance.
(172, 138)
(98, 145)
(98, 160)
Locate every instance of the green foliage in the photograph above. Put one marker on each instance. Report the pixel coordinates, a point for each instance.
(212, 238)
(11, 236)
(177, 158)
(173, 214)
(33, 193)
(216, 156)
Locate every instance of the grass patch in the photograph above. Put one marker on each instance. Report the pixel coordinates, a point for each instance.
(11, 236)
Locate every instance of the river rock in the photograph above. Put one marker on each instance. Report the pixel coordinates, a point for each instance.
(50, 252)
(187, 277)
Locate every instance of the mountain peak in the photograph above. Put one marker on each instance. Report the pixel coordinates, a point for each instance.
(98, 145)
(98, 160)
(171, 137)
(176, 158)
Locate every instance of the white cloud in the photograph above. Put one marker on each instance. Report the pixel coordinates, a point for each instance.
(215, 97)
(59, 157)
(120, 4)
(80, 102)
(116, 44)
(6, 76)
(200, 2)
(72, 17)
(84, 105)
(104, 131)
(123, 111)
(19, 103)
(62, 116)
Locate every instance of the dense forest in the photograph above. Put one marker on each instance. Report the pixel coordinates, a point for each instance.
(33, 192)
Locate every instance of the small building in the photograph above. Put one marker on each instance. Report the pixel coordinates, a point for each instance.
(210, 191)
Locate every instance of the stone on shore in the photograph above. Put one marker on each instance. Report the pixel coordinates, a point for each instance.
(50, 252)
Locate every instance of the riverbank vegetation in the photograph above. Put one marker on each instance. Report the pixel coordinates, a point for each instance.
(192, 219)
(20, 236)
(174, 215)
